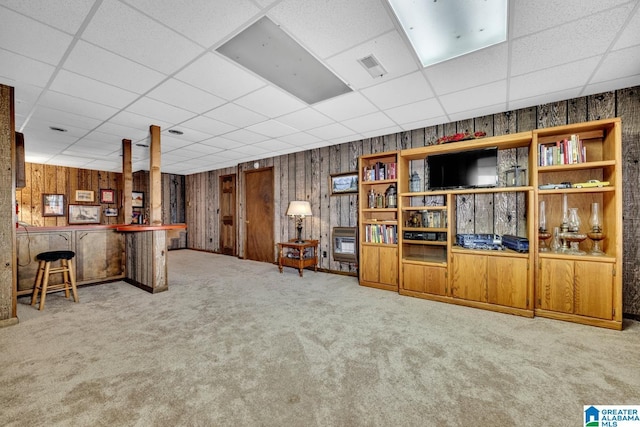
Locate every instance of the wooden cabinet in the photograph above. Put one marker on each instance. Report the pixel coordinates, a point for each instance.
(99, 255)
(579, 285)
(379, 266)
(576, 288)
(423, 279)
(378, 221)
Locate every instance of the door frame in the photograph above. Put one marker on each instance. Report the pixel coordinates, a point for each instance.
(243, 253)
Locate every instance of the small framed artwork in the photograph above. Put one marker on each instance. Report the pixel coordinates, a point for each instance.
(111, 212)
(107, 195)
(84, 214)
(343, 183)
(84, 196)
(52, 205)
(136, 217)
(137, 199)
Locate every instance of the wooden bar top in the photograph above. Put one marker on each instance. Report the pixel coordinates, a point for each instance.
(117, 227)
(137, 228)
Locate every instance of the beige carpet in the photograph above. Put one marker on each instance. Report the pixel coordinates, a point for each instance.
(235, 343)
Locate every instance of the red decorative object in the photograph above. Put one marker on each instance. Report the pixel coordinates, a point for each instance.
(463, 136)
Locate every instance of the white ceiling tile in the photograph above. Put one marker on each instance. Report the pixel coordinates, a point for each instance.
(553, 79)
(189, 135)
(21, 69)
(82, 87)
(273, 145)
(230, 154)
(69, 161)
(270, 102)
(123, 30)
(72, 133)
(245, 136)
(109, 165)
(207, 125)
(305, 119)
(389, 49)
(220, 77)
(249, 150)
(170, 142)
(152, 108)
(384, 131)
(477, 68)
(301, 138)
(533, 16)
(368, 123)
(608, 85)
(421, 110)
(543, 98)
(330, 27)
(272, 128)
(66, 15)
(214, 20)
(425, 123)
(619, 64)
(221, 142)
(485, 110)
(76, 106)
(400, 91)
(473, 98)
(123, 131)
(346, 106)
(25, 97)
(137, 121)
(235, 115)
(27, 37)
(108, 139)
(63, 118)
(630, 33)
(588, 37)
(179, 94)
(100, 64)
(335, 130)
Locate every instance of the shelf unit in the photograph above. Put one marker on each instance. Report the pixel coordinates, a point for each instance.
(378, 225)
(582, 288)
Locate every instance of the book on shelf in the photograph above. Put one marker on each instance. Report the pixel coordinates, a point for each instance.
(565, 152)
(381, 233)
(380, 171)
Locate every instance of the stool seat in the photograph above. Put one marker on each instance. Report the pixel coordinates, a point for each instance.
(45, 269)
(55, 255)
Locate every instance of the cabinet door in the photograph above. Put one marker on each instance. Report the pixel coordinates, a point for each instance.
(369, 264)
(388, 265)
(507, 281)
(555, 285)
(469, 277)
(413, 278)
(594, 289)
(99, 255)
(425, 279)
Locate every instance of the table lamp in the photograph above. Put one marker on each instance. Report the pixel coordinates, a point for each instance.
(298, 209)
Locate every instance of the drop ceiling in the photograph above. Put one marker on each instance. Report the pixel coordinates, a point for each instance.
(105, 70)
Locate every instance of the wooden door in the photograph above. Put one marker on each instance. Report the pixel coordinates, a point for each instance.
(594, 289)
(469, 277)
(507, 281)
(259, 209)
(228, 214)
(555, 285)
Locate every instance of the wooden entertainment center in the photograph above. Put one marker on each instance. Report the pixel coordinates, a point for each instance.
(410, 246)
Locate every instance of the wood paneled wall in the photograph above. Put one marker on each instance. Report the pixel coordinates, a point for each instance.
(305, 176)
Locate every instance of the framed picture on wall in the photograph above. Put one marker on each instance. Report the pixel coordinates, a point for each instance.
(52, 205)
(84, 196)
(84, 214)
(137, 199)
(111, 212)
(344, 183)
(107, 195)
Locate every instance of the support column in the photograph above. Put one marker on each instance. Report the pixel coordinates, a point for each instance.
(155, 177)
(127, 182)
(8, 278)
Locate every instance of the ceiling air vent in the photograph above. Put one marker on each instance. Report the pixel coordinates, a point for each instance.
(373, 67)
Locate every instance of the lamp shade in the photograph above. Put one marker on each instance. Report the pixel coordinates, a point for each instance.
(299, 208)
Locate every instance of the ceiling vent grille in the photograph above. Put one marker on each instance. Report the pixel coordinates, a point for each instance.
(373, 66)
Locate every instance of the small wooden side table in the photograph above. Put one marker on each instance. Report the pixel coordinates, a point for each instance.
(298, 255)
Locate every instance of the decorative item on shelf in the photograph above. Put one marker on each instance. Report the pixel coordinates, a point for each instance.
(595, 233)
(573, 236)
(298, 209)
(461, 136)
(414, 183)
(543, 234)
(372, 199)
(556, 244)
(516, 176)
(415, 219)
(392, 196)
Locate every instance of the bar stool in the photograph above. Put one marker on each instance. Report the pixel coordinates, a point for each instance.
(45, 270)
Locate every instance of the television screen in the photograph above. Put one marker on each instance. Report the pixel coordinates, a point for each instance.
(464, 169)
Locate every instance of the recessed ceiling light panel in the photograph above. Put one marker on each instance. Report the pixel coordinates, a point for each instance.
(272, 54)
(445, 29)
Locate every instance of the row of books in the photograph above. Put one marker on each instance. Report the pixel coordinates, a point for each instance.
(379, 171)
(381, 233)
(565, 152)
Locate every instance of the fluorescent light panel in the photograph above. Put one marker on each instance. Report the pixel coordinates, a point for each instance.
(444, 29)
(271, 53)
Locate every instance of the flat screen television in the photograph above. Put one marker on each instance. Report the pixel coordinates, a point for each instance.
(463, 169)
